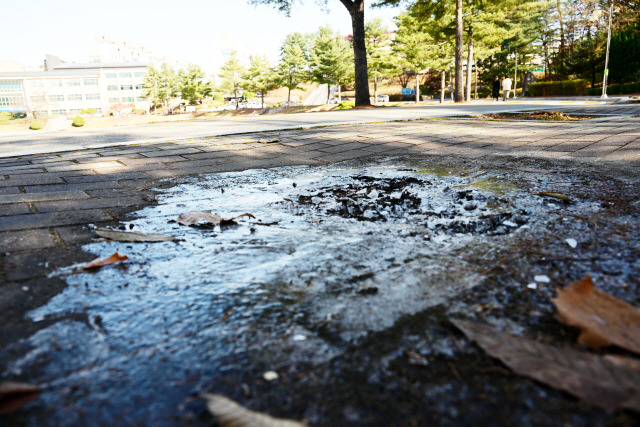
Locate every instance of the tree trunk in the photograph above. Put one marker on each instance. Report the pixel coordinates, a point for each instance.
(546, 60)
(459, 87)
(469, 64)
(262, 96)
(442, 83)
(375, 89)
(289, 97)
(356, 10)
(476, 84)
(235, 93)
(339, 93)
(417, 87)
(328, 92)
(562, 51)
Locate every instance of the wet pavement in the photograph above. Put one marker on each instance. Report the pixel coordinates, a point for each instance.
(344, 284)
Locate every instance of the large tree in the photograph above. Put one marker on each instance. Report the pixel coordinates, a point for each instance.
(192, 85)
(259, 77)
(380, 61)
(356, 11)
(231, 74)
(293, 68)
(331, 59)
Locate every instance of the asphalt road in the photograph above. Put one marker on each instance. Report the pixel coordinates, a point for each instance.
(74, 139)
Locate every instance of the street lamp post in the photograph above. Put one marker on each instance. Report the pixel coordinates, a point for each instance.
(596, 14)
(605, 78)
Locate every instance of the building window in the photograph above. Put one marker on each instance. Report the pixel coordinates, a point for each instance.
(110, 75)
(139, 87)
(91, 82)
(113, 100)
(140, 74)
(56, 98)
(42, 113)
(58, 112)
(98, 110)
(92, 96)
(127, 99)
(54, 83)
(73, 82)
(125, 75)
(8, 86)
(36, 83)
(39, 98)
(75, 111)
(74, 97)
(126, 87)
(112, 87)
(139, 99)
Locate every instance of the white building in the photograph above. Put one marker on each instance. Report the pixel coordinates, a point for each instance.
(68, 89)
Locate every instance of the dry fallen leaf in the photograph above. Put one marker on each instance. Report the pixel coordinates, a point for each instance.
(609, 384)
(101, 262)
(14, 395)
(603, 319)
(194, 217)
(131, 236)
(230, 414)
(558, 196)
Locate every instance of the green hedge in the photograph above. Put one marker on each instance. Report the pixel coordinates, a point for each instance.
(561, 88)
(36, 125)
(617, 89)
(78, 122)
(346, 105)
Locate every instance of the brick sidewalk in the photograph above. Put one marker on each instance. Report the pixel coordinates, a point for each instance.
(45, 200)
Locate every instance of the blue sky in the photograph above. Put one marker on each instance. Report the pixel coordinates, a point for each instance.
(184, 30)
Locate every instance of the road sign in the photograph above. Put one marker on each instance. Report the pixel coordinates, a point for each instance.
(406, 91)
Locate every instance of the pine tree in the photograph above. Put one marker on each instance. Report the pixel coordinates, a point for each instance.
(259, 77)
(151, 81)
(231, 74)
(331, 59)
(192, 85)
(380, 62)
(293, 68)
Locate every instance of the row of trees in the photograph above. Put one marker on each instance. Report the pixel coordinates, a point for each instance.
(567, 34)
(163, 84)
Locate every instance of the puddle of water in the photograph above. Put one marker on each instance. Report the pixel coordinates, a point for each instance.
(333, 255)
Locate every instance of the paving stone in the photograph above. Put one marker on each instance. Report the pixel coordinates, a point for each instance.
(9, 190)
(74, 205)
(38, 179)
(71, 187)
(52, 219)
(175, 152)
(85, 166)
(39, 197)
(152, 160)
(14, 209)
(97, 178)
(13, 241)
(75, 235)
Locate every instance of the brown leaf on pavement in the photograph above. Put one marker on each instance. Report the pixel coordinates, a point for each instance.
(194, 217)
(101, 262)
(600, 381)
(558, 196)
(230, 414)
(14, 395)
(131, 236)
(603, 319)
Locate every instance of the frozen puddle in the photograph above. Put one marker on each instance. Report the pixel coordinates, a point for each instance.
(332, 255)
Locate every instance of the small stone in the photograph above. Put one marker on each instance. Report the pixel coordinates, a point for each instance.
(542, 279)
(532, 286)
(367, 288)
(572, 242)
(270, 375)
(25, 288)
(509, 223)
(299, 337)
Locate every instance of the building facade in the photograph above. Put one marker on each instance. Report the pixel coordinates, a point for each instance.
(68, 89)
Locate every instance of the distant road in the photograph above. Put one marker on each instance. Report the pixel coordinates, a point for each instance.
(35, 143)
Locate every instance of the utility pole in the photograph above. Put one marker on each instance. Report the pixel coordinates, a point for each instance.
(515, 78)
(605, 78)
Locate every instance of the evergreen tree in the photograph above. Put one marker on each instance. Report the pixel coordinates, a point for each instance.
(380, 61)
(293, 68)
(168, 84)
(192, 85)
(151, 82)
(232, 73)
(259, 77)
(331, 59)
